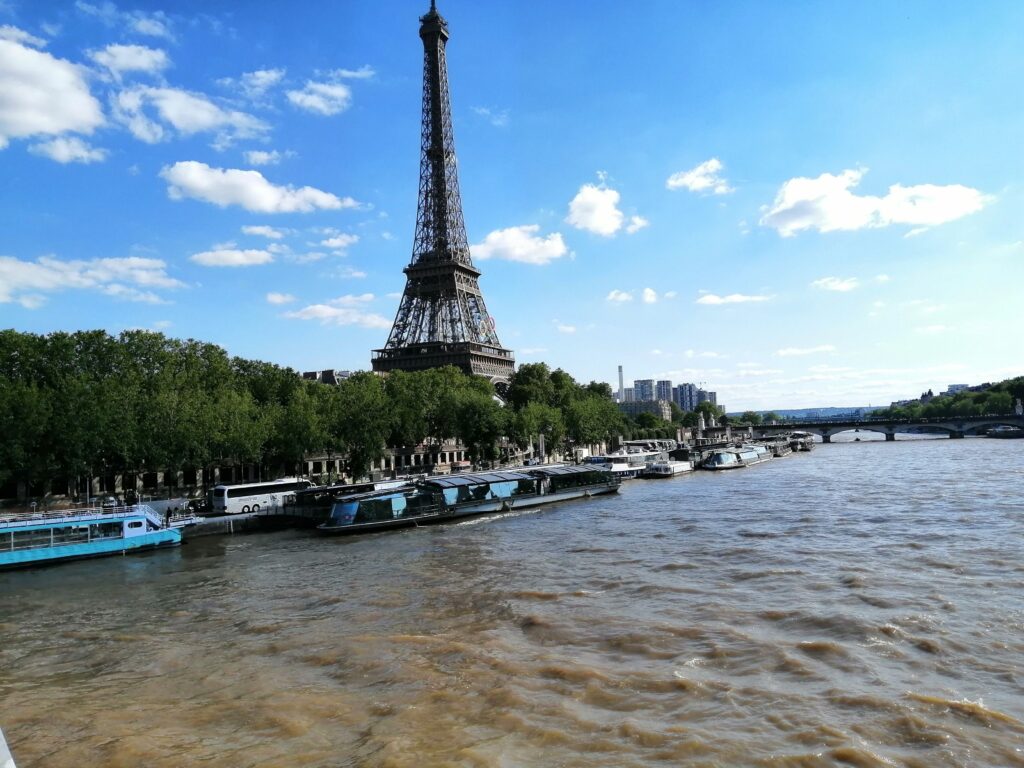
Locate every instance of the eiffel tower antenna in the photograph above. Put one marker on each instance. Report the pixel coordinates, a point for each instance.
(442, 319)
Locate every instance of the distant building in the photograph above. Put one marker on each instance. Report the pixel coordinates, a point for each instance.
(329, 376)
(660, 408)
(704, 396)
(643, 390)
(629, 395)
(663, 390)
(953, 389)
(686, 396)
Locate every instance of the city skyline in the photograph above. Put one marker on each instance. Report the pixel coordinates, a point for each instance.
(797, 207)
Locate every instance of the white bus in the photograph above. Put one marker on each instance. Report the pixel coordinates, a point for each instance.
(252, 497)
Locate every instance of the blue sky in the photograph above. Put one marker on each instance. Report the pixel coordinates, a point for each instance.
(797, 204)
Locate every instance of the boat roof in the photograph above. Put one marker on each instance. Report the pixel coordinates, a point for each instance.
(477, 478)
(559, 471)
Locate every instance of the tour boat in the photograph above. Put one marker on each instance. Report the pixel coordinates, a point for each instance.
(666, 468)
(628, 463)
(39, 538)
(734, 458)
(447, 497)
(1006, 433)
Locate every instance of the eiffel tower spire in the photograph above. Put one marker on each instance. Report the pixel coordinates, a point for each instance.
(442, 319)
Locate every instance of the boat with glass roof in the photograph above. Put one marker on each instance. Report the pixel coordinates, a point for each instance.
(48, 537)
(448, 497)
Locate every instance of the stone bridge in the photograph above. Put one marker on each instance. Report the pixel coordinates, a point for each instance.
(954, 426)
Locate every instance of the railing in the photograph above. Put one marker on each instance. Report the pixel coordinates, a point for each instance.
(81, 513)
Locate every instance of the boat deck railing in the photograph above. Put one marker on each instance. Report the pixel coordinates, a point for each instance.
(12, 520)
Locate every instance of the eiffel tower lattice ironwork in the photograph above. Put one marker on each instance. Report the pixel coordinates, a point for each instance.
(442, 319)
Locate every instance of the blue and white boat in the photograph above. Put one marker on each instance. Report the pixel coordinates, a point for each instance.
(437, 499)
(48, 537)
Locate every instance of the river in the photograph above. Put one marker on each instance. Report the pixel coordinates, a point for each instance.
(858, 605)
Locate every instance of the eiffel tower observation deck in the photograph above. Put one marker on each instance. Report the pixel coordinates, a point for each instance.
(442, 319)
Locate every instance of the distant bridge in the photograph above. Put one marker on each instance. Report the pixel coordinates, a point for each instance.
(954, 426)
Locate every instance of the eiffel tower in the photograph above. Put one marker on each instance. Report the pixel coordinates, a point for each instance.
(442, 319)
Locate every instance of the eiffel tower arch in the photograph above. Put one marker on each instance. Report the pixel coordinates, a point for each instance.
(442, 318)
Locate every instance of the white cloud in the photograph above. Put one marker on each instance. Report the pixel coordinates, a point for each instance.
(636, 223)
(41, 94)
(562, 328)
(595, 209)
(260, 157)
(25, 281)
(131, 58)
(732, 298)
(347, 273)
(344, 310)
(836, 283)
(882, 278)
(671, 294)
(232, 257)
(365, 72)
(69, 149)
(256, 84)
(280, 298)
(156, 24)
(704, 178)
(188, 113)
(619, 296)
(263, 231)
(650, 296)
(15, 35)
(827, 204)
(322, 98)
(497, 118)
(799, 351)
(340, 242)
(249, 189)
(521, 244)
(931, 329)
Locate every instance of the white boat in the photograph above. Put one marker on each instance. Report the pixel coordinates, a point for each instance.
(668, 468)
(628, 463)
(734, 458)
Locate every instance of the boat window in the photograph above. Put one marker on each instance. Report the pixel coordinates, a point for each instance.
(31, 539)
(135, 524)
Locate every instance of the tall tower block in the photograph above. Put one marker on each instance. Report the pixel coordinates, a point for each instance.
(442, 319)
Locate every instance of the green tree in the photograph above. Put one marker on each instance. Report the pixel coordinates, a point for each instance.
(362, 421)
(750, 417)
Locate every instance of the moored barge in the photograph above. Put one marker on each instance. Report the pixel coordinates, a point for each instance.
(449, 497)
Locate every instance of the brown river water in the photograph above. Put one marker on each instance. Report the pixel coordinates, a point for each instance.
(860, 605)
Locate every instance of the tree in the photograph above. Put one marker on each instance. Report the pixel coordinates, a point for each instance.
(531, 383)
(770, 417)
(362, 421)
(481, 421)
(750, 417)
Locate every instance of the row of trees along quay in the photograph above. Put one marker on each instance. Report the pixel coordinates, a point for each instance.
(88, 404)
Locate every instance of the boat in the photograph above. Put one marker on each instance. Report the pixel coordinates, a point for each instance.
(6, 761)
(734, 458)
(627, 463)
(801, 441)
(448, 497)
(48, 537)
(666, 468)
(1006, 433)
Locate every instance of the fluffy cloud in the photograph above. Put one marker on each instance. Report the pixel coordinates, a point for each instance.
(256, 84)
(497, 118)
(562, 328)
(650, 296)
(68, 149)
(41, 94)
(705, 178)
(732, 298)
(322, 98)
(249, 189)
(836, 283)
(263, 231)
(131, 58)
(344, 310)
(365, 72)
(800, 351)
(827, 204)
(232, 257)
(595, 209)
(156, 24)
(636, 223)
(340, 242)
(521, 244)
(187, 113)
(15, 35)
(280, 298)
(259, 157)
(25, 281)
(619, 296)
